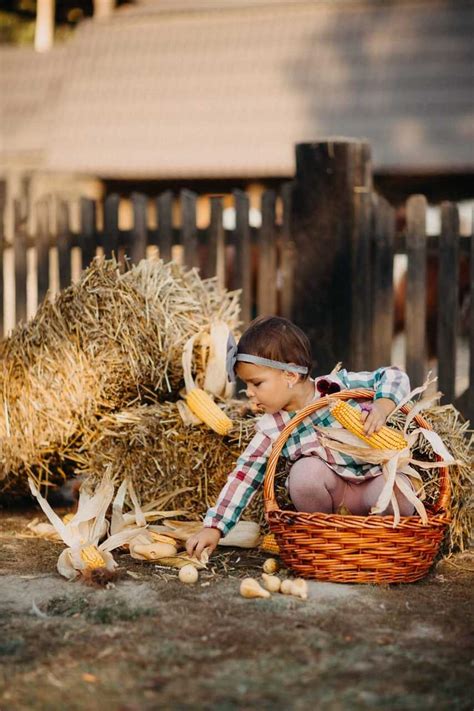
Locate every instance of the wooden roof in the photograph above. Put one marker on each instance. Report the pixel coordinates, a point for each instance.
(225, 89)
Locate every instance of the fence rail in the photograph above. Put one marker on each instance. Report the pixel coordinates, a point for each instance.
(265, 262)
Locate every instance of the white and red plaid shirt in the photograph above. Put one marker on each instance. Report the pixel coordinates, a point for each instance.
(249, 472)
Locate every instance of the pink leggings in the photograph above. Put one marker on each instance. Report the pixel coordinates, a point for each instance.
(313, 486)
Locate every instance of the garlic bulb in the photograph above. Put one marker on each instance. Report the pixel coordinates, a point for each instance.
(299, 588)
(188, 574)
(271, 566)
(286, 586)
(250, 588)
(271, 582)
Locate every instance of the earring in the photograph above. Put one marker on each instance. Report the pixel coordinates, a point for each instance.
(290, 385)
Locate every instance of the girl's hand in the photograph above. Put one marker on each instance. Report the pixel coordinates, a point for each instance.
(376, 415)
(205, 538)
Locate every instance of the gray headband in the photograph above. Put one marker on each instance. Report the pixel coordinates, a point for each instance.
(233, 357)
(247, 358)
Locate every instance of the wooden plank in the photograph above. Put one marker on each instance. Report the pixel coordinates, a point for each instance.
(42, 248)
(164, 208)
(189, 228)
(267, 258)
(470, 405)
(361, 283)
(215, 263)
(139, 233)
(287, 261)
(3, 187)
(448, 300)
(19, 251)
(382, 300)
(88, 233)
(110, 239)
(63, 241)
(242, 266)
(415, 306)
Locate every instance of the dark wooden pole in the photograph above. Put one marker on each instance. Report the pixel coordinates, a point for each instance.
(415, 306)
(448, 281)
(328, 175)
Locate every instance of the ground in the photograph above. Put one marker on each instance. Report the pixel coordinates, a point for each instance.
(150, 642)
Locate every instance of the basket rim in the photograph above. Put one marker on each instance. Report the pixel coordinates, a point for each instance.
(439, 507)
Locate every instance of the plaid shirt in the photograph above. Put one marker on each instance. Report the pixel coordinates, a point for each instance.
(243, 482)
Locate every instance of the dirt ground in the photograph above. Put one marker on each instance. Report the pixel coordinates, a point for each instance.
(149, 642)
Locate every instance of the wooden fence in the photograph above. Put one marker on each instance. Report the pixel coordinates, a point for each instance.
(264, 263)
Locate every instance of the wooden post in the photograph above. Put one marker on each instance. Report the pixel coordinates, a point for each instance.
(164, 208)
(19, 251)
(470, 410)
(137, 249)
(328, 174)
(189, 228)
(63, 232)
(415, 302)
(361, 283)
(42, 248)
(110, 241)
(382, 287)
(215, 265)
(242, 267)
(287, 254)
(88, 235)
(448, 300)
(3, 190)
(267, 276)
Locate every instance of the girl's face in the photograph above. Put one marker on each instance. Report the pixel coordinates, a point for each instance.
(267, 388)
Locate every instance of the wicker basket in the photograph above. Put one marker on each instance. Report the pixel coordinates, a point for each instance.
(354, 549)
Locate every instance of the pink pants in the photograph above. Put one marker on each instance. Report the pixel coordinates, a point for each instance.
(313, 486)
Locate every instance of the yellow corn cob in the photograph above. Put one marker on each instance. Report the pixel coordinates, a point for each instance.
(68, 517)
(350, 419)
(204, 407)
(269, 544)
(92, 558)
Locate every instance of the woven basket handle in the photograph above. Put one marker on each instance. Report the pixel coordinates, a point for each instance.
(270, 501)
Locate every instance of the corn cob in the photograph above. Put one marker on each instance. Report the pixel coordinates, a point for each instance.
(350, 419)
(269, 544)
(68, 517)
(92, 558)
(204, 407)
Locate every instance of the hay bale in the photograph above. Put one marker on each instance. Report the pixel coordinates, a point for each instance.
(164, 457)
(109, 341)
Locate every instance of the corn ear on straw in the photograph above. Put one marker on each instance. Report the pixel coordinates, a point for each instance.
(204, 407)
(112, 340)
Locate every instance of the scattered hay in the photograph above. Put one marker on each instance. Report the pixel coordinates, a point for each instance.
(458, 438)
(106, 343)
(161, 455)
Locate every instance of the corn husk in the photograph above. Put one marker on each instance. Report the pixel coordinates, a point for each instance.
(245, 534)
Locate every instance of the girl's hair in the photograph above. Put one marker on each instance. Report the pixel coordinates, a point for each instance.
(277, 338)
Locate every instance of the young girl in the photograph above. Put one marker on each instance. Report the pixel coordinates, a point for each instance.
(274, 360)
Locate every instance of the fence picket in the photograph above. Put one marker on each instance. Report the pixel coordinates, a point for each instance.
(267, 258)
(415, 303)
(139, 232)
(287, 254)
(361, 282)
(164, 208)
(88, 234)
(63, 242)
(470, 407)
(382, 308)
(19, 251)
(189, 229)
(242, 276)
(42, 248)
(215, 262)
(110, 239)
(448, 300)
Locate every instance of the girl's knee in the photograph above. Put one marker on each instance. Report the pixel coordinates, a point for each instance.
(311, 472)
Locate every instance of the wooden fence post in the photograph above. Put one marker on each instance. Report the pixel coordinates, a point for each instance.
(88, 235)
(215, 262)
(415, 302)
(19, 250)
(287, 260)
(448, 300)
(327, 176)
(382, 291)
(164, 209)
(139, 233)
(361, 282)
(42, 248)
(470, 410)
(110, 241)
(189, 229)
(267, 262)
(63, 232)
(242, 277)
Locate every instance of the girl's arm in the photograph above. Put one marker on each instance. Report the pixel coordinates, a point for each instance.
(242, 484)
(390, 384)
